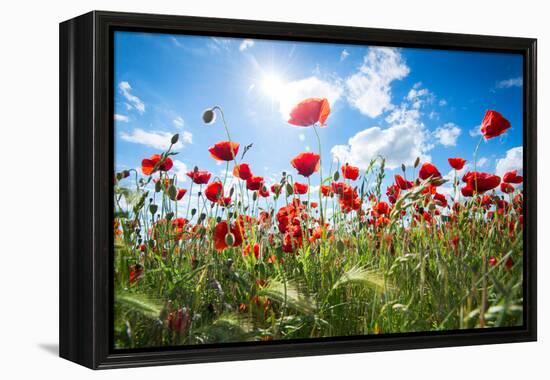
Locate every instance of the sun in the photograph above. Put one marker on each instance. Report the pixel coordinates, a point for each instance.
(273, 85)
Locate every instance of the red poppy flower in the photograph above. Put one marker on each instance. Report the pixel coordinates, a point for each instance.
(300, 188)
(440, 199)
(254, 183)
(306, 163)
(428, 170)
(276, 188)
(264, 192)
(480, 181)
(403, 183)
(148, 164)
(309, 112)
(180, 194)
(242, 171)
(224, 150)
(493, 124)
(382, 208)
(135, 272)
(457, 163)
(512, 177)
(200, 177)
(350, 172)
(506, 188)
(222, 229)
(467, 190)
(214, 191)
(493, 261)
(509, 263)
(326, 190)
(393, 193)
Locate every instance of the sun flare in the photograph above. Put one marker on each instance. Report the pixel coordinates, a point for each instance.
(273, 85)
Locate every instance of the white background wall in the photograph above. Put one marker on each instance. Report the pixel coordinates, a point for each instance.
(29, 191)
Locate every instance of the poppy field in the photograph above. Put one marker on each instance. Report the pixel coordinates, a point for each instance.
(219, 261)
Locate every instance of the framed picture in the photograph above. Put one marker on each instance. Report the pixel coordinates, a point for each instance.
(238, 189)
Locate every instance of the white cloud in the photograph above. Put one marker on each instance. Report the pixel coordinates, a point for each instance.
(343, 55)
(218, 44)
(295, 92)
(475, 131)
(178, 121)
(122, 118)
(512, 82)
(302, 137)
(133, 101)
(447, 134)
(247, 43)
(512, 161)
(179, 169)
(154, 139)
(442, 102)
(482, 162)
(186, 137)
(419, 96)
(369, 89)
(401, 143)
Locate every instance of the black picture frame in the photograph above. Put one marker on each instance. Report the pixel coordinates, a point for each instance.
(86, 177)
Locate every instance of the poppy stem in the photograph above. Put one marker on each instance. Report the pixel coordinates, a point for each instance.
(320, 174)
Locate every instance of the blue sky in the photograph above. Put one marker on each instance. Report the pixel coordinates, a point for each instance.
(399, 103)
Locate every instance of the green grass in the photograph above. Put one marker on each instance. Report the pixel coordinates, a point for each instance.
(404, 274)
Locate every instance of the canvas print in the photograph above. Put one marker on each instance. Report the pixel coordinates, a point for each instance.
(272, 191)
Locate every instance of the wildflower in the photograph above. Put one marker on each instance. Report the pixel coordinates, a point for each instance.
(309, 112)
(481, 182)
(214, 191)
(300, 188)
(224, 150)
(136, 271)
(264, 192)
(242, 171)
(506, 188)
(148, 164)
(223, 229)
(326, 190)
(493, 124)
(428, 170)
(306, 163)
(512, 177)
(403, 183)
(180, 194)
(276, 189)
(457, 163)
(200, 177)
(254, 183)
(350, 172)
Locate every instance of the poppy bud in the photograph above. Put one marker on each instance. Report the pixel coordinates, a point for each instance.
(403, 167)
(193, 211)
(169, 215)
(289, 189)
(336, 176)
(157, 187)
(340, 246)
(175, 139)
(172, 192)
(229, 239)
(416, 162)
(153, 209)
(209, 116)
